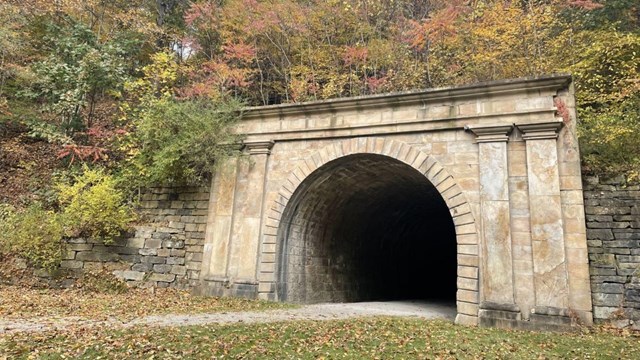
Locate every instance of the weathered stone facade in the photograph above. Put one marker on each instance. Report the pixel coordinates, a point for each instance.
(613, 234)
(165, 250)
(319, 209)
(472, 194)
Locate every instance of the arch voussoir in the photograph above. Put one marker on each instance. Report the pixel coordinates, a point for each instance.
(386, 147)
(338, 149)
(419, 160)
(404, 152)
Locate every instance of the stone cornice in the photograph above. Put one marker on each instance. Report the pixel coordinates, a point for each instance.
(551, 82)
(491, 133)
(259, 147)
(539, 131)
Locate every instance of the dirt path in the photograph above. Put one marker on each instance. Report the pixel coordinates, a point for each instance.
(308, 312)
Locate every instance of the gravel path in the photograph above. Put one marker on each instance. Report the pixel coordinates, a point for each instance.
(307, 312)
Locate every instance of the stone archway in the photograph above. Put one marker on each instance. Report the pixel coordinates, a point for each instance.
(363, 213)
(515, 203)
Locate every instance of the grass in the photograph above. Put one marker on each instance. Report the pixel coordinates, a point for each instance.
(23, 303)
(370, 338)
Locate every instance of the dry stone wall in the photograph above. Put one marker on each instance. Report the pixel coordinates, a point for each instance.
(165, 250)
(612, 209)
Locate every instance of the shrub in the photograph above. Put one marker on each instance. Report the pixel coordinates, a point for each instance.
(178, 142)
(608, 95)
(610, 139)
(92, 206)
(34, 234)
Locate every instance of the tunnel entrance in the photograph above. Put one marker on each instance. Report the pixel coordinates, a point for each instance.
(366, 227)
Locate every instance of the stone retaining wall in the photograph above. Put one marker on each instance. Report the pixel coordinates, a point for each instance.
(165, 249)
(612, 209)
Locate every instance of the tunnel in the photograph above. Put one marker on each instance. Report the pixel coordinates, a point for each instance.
(366, 227)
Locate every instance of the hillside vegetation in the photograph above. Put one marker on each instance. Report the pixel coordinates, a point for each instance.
(117, 95)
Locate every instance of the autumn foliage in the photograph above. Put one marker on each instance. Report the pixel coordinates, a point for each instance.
(91, 81)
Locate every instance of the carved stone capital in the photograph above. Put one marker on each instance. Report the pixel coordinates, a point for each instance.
(539, 131)
(259, 147)
(492, 133)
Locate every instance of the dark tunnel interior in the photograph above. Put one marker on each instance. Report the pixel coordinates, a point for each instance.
(366, 227)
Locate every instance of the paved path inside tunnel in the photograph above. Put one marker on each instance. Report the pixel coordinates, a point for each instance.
(316, 312)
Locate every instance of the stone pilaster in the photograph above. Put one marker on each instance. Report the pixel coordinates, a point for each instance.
(218, 232)
(245, 240)
(497, 289)
(547, 232)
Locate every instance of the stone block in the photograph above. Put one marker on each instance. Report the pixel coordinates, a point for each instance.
(594, 243)
(177, 204)
(147, 252)
(602, 270)
(123, 250)
(176, 225)
(197, 235)
(132, 259)
(162, 277)
(179, 270)
(266, 257)
(468, 260)
(632, 295)
(467, 284)
(178, 252)
(607, 288)
(602, 259)
(191, 241)
(611, 300)
(467, 296)
(96, 256)
(163, 252)
(153, 260)
(629, 259)
(188, 219)
(193, 274)
(193, 256)
(142, 267)
(80, 247)
(152, 244)
(468, 249)
(71, 264)
(165, 230)
(194, 248)
(605, 210)
(161, 268)
(161, 235)
(202, 205)
(175, 260)
(173, 244)
(129, 275)
(599, 218)
(633, 314)
(137, 243)
(193, 265)
(605, 312)
(466, 320)
(627, 235)
(467, 308)
(468, 239)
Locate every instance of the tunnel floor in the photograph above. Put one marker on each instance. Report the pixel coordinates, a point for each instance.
(420, 308)
(366, 228)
